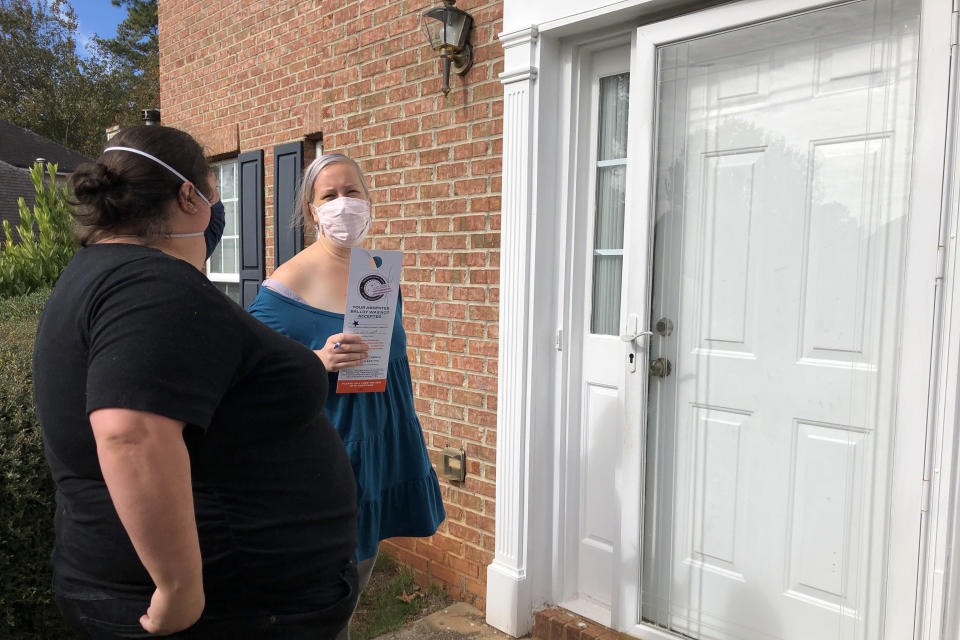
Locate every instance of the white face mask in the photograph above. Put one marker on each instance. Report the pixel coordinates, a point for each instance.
(344, 221)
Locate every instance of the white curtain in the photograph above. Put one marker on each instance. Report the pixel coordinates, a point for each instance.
(610, 200)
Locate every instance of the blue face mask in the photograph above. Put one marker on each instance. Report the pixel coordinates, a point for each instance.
(214, 230)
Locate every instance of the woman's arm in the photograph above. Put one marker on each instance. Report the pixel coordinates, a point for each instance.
(146, 468)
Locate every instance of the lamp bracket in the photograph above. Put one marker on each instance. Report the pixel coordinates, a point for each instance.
(462, 60)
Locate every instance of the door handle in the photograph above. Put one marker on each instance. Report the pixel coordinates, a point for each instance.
(630, 337)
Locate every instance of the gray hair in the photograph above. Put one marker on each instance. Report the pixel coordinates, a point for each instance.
(310, 175)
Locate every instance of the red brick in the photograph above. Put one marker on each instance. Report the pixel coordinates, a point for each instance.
(416, 275)
(465, 533)
(476, 587)
(468, 329)
(430, 552)
(556, 629)
(479, 452)
(434, 156)
(439, 190)
(465, 567)
(454, 345)
(470, 259)
(470, 398)
(470, 223)
(482, 418)
(458, 205)
(455, 276)
(465, 431)
(414, 243)
(483, 312)
(446, 574)
(452, 170)
(485, 240)
(541, 626)
(451, 242)
(454, 378)
(451, 310)
(418, 175)
(475, 294)
(484, 383)
(412, 559)
(468, 363)
(447, 410)
(434, 325)
(418, 209)
(434, 358)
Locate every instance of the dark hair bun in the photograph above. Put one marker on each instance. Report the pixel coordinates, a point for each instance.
(93, 181)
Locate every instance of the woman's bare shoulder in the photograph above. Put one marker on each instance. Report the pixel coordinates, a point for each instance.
(294, 271)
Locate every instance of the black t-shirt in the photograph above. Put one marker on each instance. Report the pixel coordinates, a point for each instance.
(131, 327)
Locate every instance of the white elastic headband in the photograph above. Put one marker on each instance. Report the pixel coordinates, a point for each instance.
(162, 164)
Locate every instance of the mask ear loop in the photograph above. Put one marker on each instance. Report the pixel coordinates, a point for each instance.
(199, 193)
(162, 164)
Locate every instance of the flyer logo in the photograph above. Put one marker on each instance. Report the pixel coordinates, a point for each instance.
(373, 287)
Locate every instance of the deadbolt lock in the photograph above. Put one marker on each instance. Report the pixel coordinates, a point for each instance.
(660, 368)
(664, 326)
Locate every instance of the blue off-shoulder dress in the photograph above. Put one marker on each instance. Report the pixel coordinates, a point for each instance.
(397, 488)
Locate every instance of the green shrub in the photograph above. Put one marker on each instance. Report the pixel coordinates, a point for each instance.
(37, 260)
(26, 490)
(24, 307)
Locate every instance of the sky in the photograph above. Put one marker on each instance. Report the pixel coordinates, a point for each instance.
(98, 17)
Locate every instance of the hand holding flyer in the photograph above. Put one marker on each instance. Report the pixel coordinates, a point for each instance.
(373, 287)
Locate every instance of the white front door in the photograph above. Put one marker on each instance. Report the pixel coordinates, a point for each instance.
(792, 290)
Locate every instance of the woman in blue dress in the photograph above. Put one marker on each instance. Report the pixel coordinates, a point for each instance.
(397, 488)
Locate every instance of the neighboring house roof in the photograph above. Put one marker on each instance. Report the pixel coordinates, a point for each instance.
(20, 147)
(14, 183)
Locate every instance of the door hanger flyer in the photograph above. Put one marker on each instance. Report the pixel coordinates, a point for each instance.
(373, 287)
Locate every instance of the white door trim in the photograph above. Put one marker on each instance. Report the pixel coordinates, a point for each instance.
(939, 616)
(931, 166)
(508, 588)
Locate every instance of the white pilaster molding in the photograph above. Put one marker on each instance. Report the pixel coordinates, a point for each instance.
(509, 605)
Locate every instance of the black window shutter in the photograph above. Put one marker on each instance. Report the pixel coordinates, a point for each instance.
(251, 224)
(287, 167)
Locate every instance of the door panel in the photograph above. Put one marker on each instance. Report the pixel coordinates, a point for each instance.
(783, 162)
(597, 523)
(588, 587)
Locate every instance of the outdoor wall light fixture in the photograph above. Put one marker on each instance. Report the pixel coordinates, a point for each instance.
(448, 29)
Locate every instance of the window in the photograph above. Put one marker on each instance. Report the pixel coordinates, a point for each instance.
(223, 267)
(611, 181)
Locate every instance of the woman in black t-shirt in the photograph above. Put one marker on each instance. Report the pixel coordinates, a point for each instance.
(201, 492)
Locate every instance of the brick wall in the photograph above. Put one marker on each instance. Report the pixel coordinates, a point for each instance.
(251, 74)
